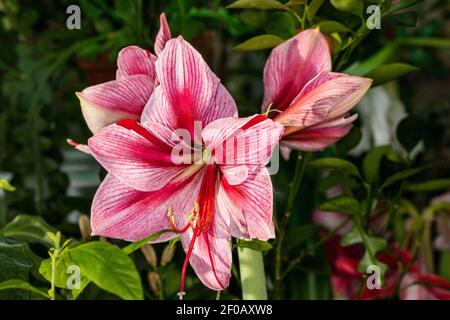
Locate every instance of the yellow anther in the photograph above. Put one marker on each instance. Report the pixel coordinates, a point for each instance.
(196, 207)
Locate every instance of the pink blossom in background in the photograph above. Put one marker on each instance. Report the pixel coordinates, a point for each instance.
(206, 202)
(125, 97)
(442, 241)
(348, 283)
(302, 93)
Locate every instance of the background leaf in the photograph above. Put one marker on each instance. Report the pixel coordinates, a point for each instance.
(254, 244)
(20, 284)
(389, 72)
(255, 4)
(341, 204)
(264, 41)
(337, 164)
(109, 268)
(28, 228)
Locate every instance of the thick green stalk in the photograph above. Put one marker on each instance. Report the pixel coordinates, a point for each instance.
(253, 278)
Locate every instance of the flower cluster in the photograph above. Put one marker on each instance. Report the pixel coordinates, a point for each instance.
(215, 184)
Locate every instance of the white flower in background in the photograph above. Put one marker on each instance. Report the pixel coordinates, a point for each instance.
(381, 110)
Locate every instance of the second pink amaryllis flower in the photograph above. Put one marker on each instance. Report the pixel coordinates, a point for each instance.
(125, 97)
(302, 93)
(224, 191)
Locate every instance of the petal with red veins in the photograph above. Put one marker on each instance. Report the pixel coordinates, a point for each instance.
(315, 139)
(140, 158)
(244, 141)
(190, 87)
(121, 212)
(291, 65)
(163, 34)
(133, 60)
(211, 255)
(249, 206)
(328, 96)
(106, 103)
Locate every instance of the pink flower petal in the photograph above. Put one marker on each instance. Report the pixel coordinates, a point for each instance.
(163, 34)
(235, 174)
(106, 103)
(211, 255)
(133, 60)
(121, 212)
(249, 205)
(139, 158)
(244, 141)
(332, 220)
(189, 87)
(315, 139)
(328, 96)
(291, 65)
(80, 147)
(158, 109)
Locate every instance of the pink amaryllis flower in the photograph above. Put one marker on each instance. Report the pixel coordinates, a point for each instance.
(125, 97)
(225, 191)
(302, 93)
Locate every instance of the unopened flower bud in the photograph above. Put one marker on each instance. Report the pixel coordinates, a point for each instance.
(85, 227)
(150, 255)
(167, 255)
(155, 282)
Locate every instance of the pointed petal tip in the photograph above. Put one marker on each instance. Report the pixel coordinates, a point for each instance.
(79, 95)
(71, 142)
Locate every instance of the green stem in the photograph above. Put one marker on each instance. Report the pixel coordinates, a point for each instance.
(51, 292)
(253, 279)
(295, 186)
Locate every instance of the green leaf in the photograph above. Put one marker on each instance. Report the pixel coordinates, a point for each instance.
(428, 186)
(255, 4)
(260, 42)
(402, 175)
(444, 266)
(351, 237)
(353, 6)
(371, 162)
(402, 5)
(313, 7)
(5, 185)
(292, 3)
(328, 27)
(376, 60)
(28, 228)
(20, 284)
(254, 244)
(138, 244)
(341, 204)
(109, 268)
(336, 164)
(255, 19)
(281, 24)
(404, 19)
(410, 131)
(426, 42)
(63, 262)
(375, 245)
(372, 245)
(389, 72)
(16, 261)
